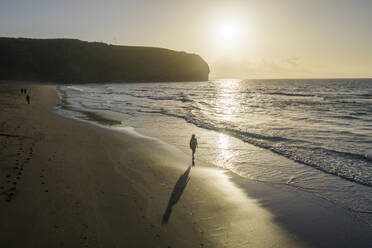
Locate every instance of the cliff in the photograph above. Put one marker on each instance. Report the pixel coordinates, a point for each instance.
(70, 60)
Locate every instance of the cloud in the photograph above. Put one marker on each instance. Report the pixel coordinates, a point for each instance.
(292, 61)
(280, 68)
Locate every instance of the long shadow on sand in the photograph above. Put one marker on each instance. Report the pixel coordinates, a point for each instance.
(178, 189)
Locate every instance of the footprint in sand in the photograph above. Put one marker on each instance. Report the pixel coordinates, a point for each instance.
(9, 196)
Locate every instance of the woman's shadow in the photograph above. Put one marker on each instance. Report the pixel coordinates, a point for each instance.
(178, 189)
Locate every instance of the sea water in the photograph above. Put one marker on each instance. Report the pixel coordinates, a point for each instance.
(313, 135)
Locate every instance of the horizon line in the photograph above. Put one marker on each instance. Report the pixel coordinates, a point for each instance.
(314, 78)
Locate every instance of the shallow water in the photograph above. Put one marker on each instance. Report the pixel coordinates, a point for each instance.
(315, 135)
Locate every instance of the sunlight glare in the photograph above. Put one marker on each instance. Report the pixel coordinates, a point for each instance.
(229, 36)
(224, 152)
(229, 32)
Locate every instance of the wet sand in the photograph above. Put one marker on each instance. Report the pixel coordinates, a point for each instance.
(64, 183)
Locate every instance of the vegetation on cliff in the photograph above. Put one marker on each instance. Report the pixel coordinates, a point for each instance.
(70, 60)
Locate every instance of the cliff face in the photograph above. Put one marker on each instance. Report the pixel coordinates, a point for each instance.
(69, 60)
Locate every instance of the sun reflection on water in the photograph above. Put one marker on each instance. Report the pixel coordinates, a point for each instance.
(227, 103)
(224, 153)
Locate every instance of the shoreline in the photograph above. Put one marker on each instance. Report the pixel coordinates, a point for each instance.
(119, 188)
(225, 151)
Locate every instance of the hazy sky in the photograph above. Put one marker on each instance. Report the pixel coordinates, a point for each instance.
(243, 39)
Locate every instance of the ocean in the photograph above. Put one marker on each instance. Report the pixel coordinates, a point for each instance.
(313, 135)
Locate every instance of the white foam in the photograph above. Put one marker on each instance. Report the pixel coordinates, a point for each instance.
(75, 88)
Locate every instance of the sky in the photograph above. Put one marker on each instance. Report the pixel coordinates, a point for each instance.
(238, 39)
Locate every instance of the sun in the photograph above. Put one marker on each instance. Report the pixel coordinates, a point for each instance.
(228, 34)
(228, 31)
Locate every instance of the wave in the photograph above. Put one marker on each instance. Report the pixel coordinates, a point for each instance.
(179, 97)
(347, 117)
(367, 95)
(290, 94)
(75, 88)
(346, 165)
(163, 98)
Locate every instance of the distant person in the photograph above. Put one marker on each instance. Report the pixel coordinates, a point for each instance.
(25, 91)
(28, 99)
(22, 91)
(193, 145)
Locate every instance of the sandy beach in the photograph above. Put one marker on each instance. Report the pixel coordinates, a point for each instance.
(64, 183)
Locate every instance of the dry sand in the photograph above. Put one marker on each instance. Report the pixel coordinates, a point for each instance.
(64, 183)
